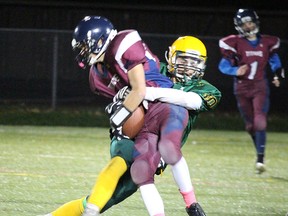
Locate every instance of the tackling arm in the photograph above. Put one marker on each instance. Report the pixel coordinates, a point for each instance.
(189, 100)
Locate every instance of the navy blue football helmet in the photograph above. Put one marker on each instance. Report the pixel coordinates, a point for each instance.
(92, 35)
(246, 15)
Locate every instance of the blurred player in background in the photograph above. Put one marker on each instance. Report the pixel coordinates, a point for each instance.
(245, 57)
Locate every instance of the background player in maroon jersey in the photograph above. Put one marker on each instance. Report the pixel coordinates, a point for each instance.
(245, 57)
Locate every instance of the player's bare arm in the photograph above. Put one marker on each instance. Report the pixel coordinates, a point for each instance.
(242, 70)
(138, 88)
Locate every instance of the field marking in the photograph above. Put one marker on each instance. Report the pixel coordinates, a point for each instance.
(22, 174)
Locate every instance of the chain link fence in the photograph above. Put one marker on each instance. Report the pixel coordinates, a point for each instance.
(37, 66)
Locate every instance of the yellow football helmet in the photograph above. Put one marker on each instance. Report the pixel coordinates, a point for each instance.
(187, 59)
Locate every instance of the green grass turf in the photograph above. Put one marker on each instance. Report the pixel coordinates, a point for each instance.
(44, 167)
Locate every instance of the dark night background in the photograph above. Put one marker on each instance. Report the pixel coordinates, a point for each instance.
(28, 28)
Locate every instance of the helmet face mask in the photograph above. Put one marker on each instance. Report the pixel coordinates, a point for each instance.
(91, 38)
(188, 66)
(82, 54)
(187, 59)
(246, 22)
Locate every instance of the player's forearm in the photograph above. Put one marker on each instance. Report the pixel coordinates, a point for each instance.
(133, 100)
(275, 62)
(138, 88)
(225, 67)
(189, 100)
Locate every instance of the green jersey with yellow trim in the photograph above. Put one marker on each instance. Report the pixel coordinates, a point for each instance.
(210, 96)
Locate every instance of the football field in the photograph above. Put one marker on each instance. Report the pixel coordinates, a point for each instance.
(44, 167)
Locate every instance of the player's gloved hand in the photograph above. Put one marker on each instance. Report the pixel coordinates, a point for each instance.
(161, 167)
(115, 130)
(117, 118)
(112, 107)
(117, 133)
(122, 94)
(279, 77)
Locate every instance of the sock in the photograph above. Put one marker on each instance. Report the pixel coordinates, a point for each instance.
(189, 197)
(254, 141)
(152, 200)
(181, 176)
(91, 209)
(260, 158)
(72, 208)
(260, 139)
(107, 181)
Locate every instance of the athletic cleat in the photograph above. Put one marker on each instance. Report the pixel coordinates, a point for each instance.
(260, 168)
(195, 210)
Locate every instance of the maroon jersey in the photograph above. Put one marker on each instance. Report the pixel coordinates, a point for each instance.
(124, 52)
(239, 51)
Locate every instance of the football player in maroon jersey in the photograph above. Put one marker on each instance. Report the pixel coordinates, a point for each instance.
(117, 59)
(245, 57)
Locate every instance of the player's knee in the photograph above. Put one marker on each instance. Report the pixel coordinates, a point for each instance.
(170, 152)
(260, 127)
(170, 157)
(260, 124)
(141, 173)
(249, 128)
(124, 149)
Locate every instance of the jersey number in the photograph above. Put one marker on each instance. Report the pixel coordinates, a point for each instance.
(253, 70)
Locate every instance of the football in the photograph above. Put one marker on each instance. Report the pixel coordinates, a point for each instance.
(134, 123)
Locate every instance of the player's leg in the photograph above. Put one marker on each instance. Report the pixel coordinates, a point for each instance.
(245, 107)
(251, 110)
(172, 123)
(252, 107)
(146, 160)
(143, 169)
(105, 185)
(172, 130)
(261, 104)
(72, 208)
(125, 188)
